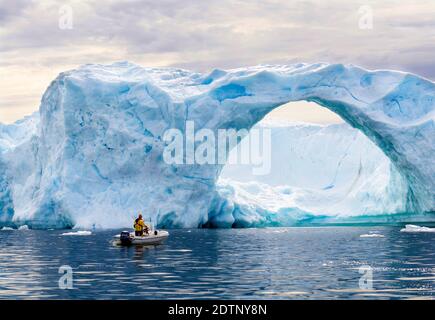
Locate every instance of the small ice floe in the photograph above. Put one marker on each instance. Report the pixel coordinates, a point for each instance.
(372, 235)
(7, 229)
(23, 228)
(77, 233)
(414, 228)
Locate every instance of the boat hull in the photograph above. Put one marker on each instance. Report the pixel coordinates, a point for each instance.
(151, 239)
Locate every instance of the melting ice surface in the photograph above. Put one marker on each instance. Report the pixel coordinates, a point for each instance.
(92, 155)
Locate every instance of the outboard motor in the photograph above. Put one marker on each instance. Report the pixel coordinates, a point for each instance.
(125, 238)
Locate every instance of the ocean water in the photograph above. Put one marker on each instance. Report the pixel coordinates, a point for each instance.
(270, 263)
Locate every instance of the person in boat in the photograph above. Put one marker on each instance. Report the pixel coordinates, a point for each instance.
(140, 227)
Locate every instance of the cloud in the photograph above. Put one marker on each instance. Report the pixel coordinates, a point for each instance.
(202, 35)
(11, 9)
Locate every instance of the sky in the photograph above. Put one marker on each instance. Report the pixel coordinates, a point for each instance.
(39, 39)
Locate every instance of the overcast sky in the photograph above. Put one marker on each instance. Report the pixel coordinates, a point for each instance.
(36, 41)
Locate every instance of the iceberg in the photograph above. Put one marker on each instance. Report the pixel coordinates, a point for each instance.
(93, 153)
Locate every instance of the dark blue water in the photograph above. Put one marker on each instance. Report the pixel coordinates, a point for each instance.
(281, 263)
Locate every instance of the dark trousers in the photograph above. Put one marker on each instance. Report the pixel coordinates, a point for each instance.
(138, 233)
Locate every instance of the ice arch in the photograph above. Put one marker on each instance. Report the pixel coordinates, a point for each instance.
(97, 149)
(394, 109)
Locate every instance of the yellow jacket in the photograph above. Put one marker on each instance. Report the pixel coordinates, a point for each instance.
(139, 225)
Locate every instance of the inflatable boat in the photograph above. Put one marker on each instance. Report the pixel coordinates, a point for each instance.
(126, 238)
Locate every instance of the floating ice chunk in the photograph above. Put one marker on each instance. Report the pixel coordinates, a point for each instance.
(23, 228)
(414, 228)
(7, 229)
(372, 235)
(77, 233)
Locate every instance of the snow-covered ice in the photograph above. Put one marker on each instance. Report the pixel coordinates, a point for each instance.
(92, 155)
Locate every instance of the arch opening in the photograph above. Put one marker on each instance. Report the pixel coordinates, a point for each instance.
(321, 171)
